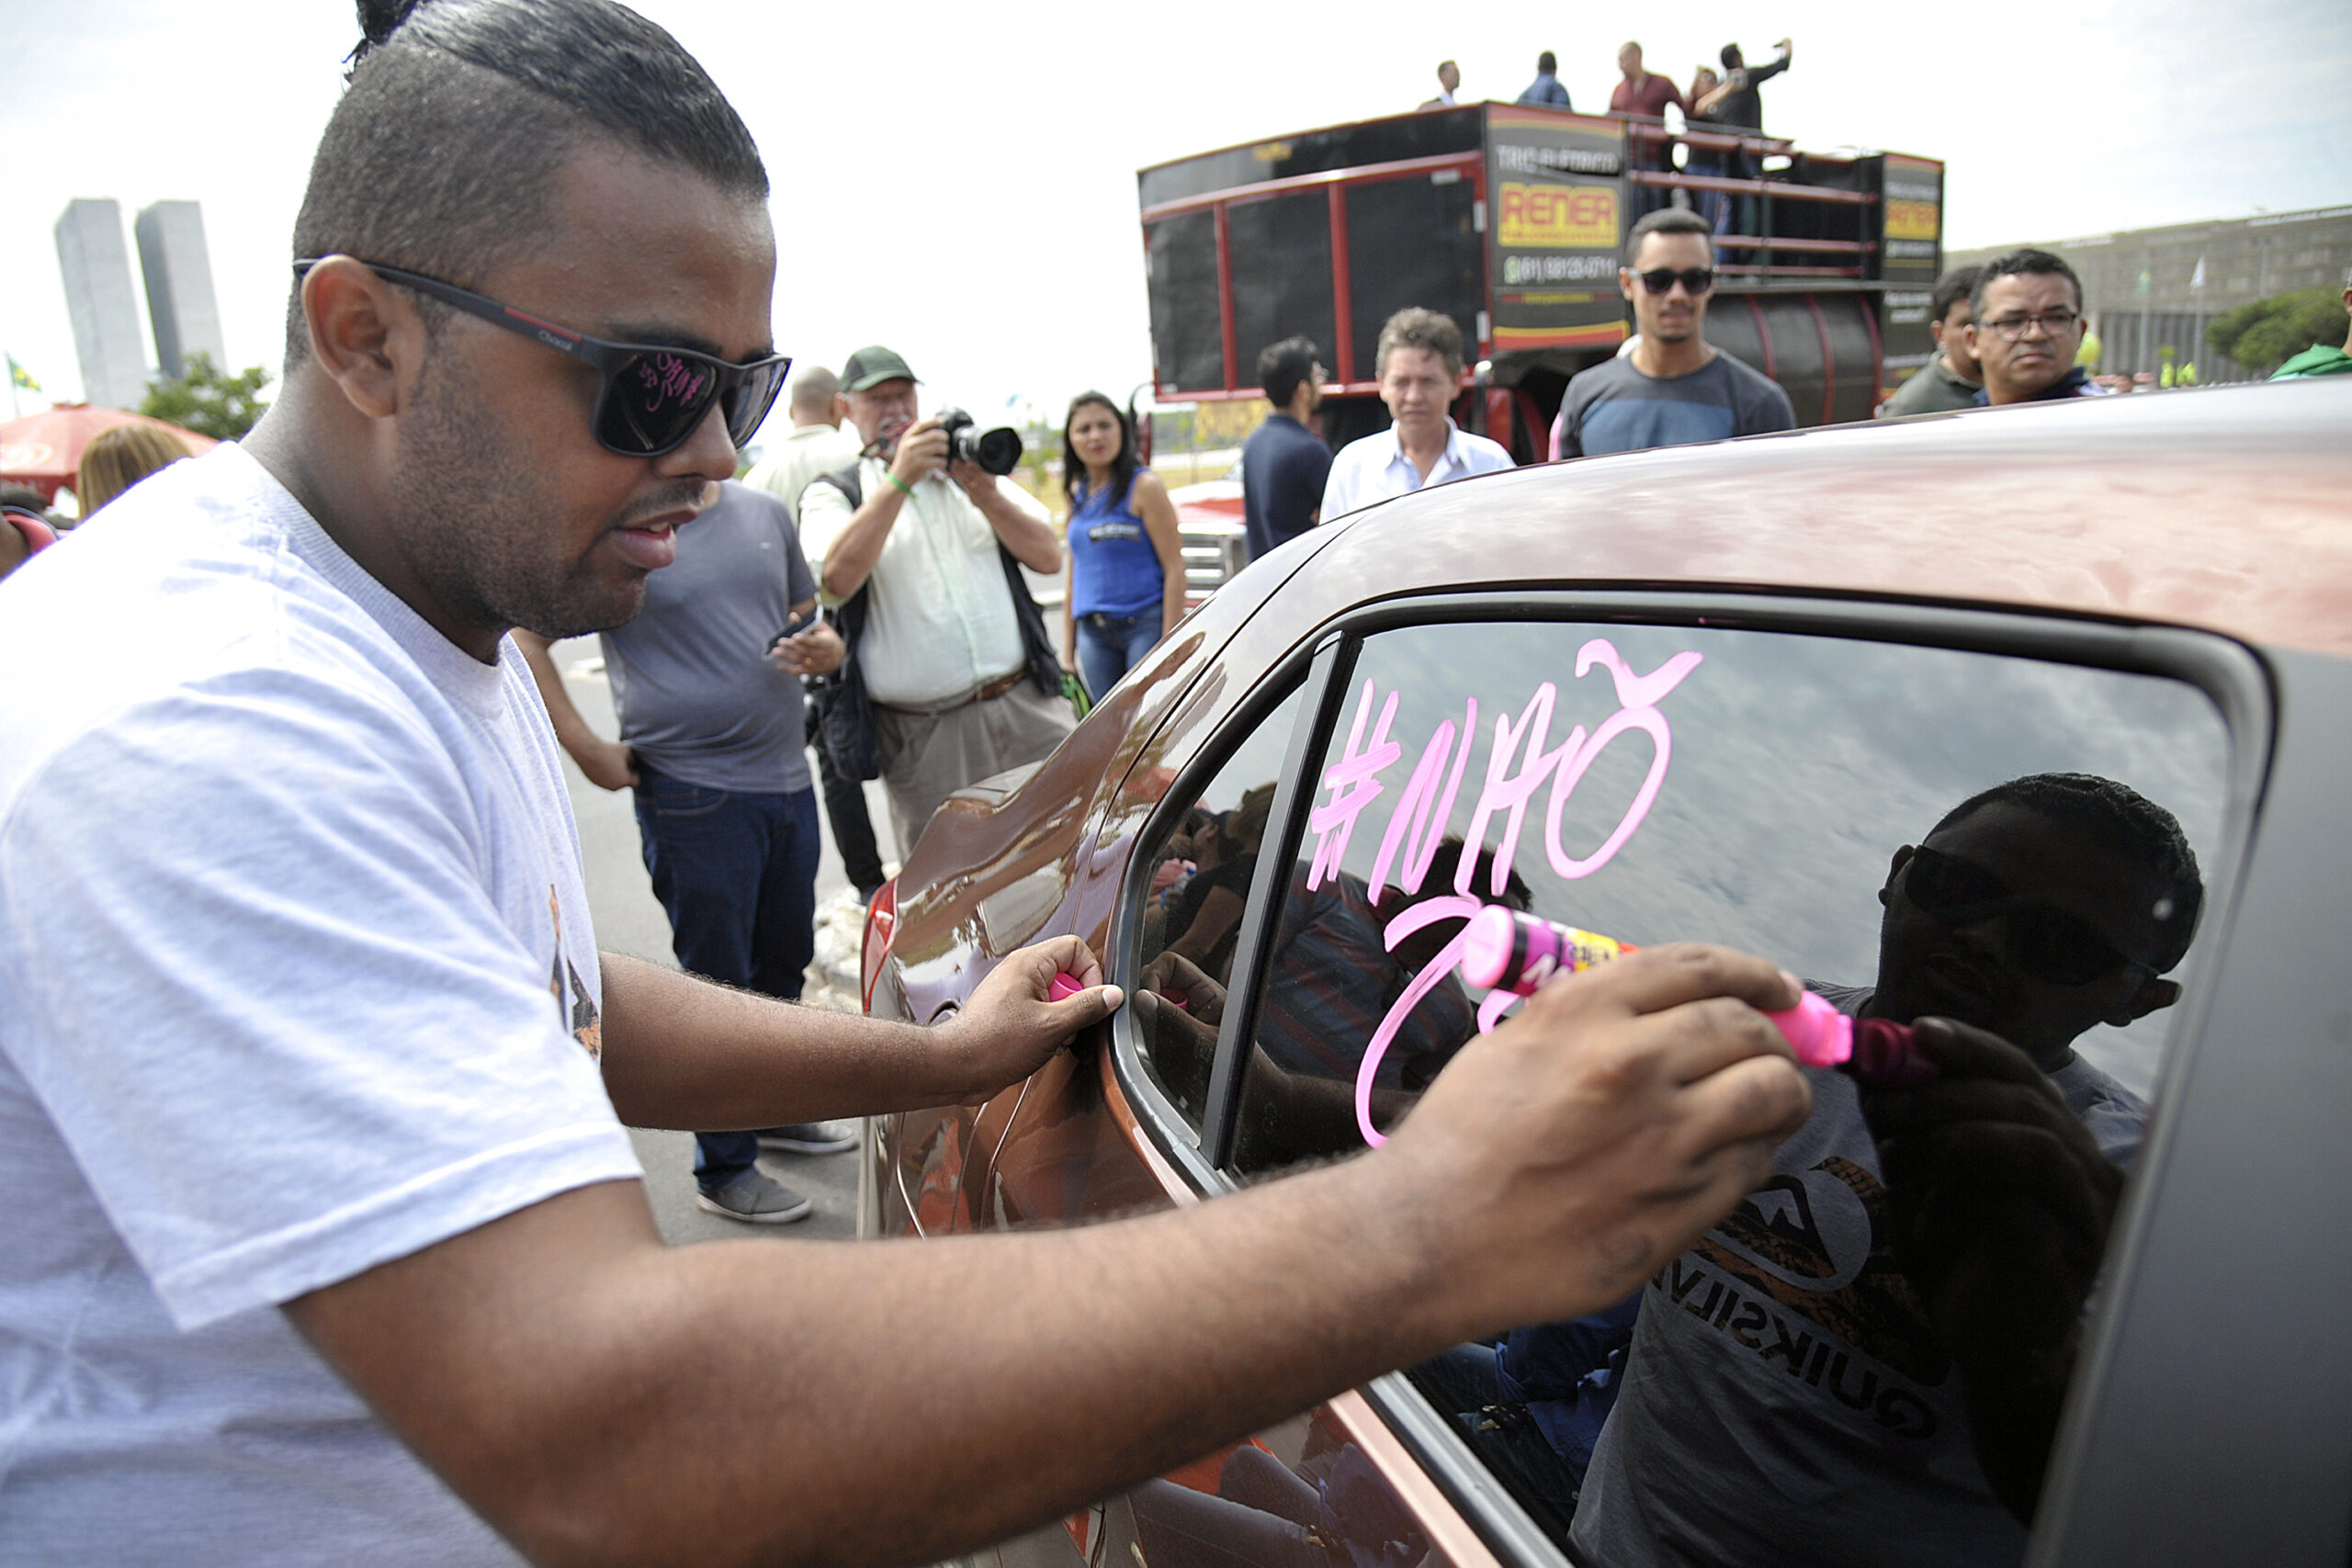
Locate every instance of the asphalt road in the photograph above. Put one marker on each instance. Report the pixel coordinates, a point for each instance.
(629, 920)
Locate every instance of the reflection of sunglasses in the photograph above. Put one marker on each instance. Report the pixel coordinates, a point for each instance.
(2049, 943)
(651, 398)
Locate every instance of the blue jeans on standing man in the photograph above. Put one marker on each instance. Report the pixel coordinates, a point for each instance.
(1110, 646)
(737, 873)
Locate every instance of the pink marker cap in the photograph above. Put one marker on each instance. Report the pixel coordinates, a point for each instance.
(1819, 1034)
(1063, 986)
(1486, 944)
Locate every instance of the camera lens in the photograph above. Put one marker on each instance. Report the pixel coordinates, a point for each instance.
(996, 451)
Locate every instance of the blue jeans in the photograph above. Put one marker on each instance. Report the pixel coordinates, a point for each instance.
(1110, 646)
(737, 873)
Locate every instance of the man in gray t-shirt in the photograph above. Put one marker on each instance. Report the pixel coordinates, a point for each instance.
(712, 743)
(1673, 386)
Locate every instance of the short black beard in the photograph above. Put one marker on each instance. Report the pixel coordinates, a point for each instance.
(471, 516)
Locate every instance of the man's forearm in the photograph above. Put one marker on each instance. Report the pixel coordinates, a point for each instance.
(1030, 538)
(561, 1370)
(681, 1052)
(1096, 1358)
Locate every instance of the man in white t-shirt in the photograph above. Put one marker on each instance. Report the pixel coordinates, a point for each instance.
(1420, 369)
(326, 1244)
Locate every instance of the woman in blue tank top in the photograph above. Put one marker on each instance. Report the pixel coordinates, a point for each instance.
(1125, 586)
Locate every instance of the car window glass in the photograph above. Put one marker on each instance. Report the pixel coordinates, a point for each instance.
(1804, 1376)
(1200, 873)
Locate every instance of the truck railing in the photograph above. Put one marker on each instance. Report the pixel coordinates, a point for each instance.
(1653, 143)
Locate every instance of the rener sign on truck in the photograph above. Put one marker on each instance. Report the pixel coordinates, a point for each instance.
(1558, 221)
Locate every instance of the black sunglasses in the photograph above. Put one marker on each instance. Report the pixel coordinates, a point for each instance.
(1695, 280)
(2049, 943)
(651, 397)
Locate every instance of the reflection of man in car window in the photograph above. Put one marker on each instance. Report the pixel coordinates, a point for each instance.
(1331, 978)
(1834, 1372)
(1204, 917)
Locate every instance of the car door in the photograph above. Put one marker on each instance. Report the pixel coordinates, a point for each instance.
(1772, 776)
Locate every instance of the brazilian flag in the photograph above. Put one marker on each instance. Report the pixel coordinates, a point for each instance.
(21, 377)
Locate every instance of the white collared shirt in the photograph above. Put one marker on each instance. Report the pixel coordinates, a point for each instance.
(940, 620)
(808, 451)
(1375, 468)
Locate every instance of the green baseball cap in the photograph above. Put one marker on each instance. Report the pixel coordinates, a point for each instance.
(870, 368)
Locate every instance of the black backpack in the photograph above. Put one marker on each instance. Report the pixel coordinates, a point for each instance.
(841, 714)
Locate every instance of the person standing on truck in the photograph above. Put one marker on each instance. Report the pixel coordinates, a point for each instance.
(1736, 106)
(1644, 93)
(1448, 82)
(1420, 368)
(1545, 90)
(1674, 387)
(1283, 463)
(1742, 106)
(1952, 377)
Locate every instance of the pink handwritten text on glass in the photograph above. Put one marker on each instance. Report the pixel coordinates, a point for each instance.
(1517, 764)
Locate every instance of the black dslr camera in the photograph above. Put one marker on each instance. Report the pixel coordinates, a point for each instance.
(996, 451)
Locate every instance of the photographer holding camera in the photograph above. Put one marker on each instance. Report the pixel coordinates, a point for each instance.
(951, 676)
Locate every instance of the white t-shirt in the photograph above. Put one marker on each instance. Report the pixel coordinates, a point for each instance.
(1375, 467)
(296, 979)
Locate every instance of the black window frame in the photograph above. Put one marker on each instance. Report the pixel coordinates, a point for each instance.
(2233, 676)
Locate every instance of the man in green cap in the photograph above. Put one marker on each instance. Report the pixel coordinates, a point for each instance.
(960, 683)
(2321, 358)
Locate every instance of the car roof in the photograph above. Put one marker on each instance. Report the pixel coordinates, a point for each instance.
(2226, 508)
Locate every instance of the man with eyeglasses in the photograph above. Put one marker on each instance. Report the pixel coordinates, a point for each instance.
(327, 1243)
(949, 652)
(2027, 324)
(1875, 1347)
(1674, 387)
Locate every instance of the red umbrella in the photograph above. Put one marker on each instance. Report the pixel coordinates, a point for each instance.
(44, 450)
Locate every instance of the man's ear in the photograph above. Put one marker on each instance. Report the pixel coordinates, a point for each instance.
(2155, 994)
(1894, 872)
(1968, 336)
(364, 335)
(1625, 282)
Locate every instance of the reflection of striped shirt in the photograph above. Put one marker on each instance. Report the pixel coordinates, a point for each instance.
(1333, 980)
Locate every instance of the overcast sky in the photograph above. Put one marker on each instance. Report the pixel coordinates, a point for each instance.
(958, 180)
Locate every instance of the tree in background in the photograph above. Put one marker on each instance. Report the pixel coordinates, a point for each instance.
(2266, 335)
(208, 402)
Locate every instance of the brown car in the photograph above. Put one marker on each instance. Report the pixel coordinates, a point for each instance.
(2039, 719)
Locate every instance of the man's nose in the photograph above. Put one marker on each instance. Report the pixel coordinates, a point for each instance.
(709, 451)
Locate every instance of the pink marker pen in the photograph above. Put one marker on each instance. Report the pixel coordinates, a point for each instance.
(1506, 951)
(1063, 986)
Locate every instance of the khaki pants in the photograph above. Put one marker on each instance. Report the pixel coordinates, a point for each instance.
(926, 757)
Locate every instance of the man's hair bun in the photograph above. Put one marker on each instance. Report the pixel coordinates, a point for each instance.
(378, 21)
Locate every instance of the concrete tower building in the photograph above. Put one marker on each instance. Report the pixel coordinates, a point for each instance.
(179, 286)
(96, 266)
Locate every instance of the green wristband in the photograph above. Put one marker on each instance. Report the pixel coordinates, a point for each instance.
(903, 486)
